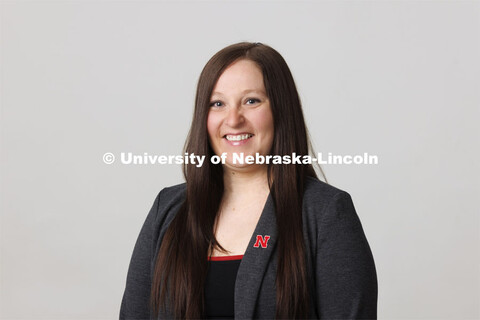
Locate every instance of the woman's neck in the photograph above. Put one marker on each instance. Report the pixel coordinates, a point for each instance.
(245, 182)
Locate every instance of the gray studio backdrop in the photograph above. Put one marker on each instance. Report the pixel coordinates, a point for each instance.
(399, 80)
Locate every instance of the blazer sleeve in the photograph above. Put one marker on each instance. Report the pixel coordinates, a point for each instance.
(135, 301)
(346, 279)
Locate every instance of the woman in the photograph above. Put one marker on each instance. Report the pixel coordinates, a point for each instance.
(250, 240)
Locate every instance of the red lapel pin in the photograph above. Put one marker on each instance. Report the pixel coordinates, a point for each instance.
(261, 240)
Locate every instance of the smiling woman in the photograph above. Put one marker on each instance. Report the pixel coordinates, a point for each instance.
(250, 240)
(240, 118)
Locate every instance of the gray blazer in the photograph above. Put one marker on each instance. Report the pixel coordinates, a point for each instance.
(341, 270)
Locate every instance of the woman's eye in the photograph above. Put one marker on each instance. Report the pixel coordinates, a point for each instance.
(253, 100)
(215, 104)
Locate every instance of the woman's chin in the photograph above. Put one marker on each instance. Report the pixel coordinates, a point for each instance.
(245, 167)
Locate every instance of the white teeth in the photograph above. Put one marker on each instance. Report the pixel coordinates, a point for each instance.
(238, 137)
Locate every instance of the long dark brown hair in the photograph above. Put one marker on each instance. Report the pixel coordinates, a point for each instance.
(181, 265)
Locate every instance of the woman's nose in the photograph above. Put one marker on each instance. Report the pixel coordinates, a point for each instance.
(234, 117)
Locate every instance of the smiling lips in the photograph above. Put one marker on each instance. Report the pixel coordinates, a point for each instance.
(238, 139)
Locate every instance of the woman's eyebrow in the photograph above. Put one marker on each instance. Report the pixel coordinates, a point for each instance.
(243, 92)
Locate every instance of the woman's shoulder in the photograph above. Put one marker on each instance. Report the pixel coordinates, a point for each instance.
(173, 191)
(166, 204)
(321, 199)
(316, 189)
(169, 196)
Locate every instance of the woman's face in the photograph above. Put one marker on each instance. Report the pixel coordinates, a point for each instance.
(240, 118)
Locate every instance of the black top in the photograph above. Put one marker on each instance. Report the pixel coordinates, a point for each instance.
(220, 287)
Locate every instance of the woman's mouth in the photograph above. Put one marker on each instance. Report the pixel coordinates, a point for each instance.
(238, 139)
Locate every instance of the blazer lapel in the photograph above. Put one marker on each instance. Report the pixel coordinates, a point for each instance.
(254, 262)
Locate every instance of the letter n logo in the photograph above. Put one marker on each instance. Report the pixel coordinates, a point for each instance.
(261, 241)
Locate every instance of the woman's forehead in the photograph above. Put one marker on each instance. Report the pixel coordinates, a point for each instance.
(241, 77)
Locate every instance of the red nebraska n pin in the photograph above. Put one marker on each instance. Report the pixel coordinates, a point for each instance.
(261, 240)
